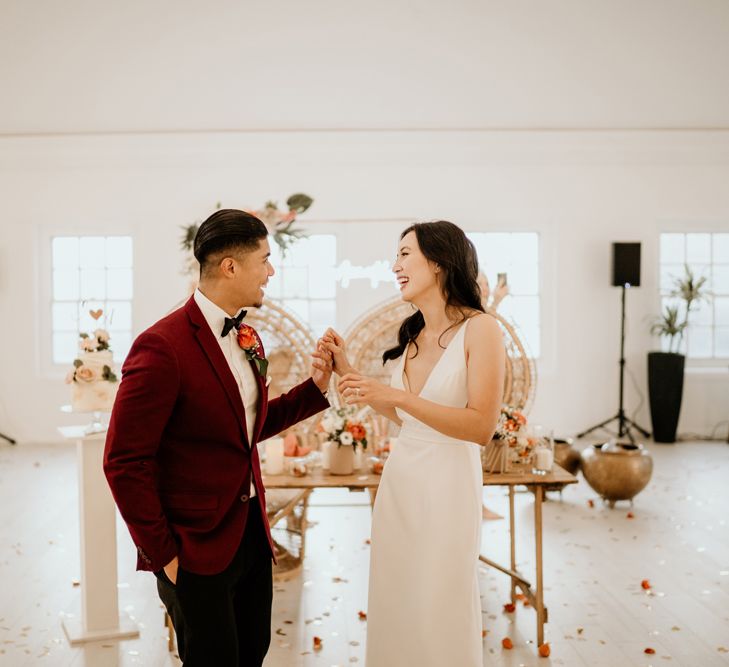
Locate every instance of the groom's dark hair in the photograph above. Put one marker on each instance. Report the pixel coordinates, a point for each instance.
(227, 230)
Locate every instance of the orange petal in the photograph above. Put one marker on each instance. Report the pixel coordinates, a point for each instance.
(645, 585)
(544, 650)
(509, 607)
(362, 615)
(317, 643)
(507, 643)
(591, 503)
(630, 515)
(649, 651)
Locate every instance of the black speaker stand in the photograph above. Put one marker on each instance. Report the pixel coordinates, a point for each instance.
(624, 422)
(8, 438)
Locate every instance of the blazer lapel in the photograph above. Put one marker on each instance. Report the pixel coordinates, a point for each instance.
(212, 350)
(262, 400)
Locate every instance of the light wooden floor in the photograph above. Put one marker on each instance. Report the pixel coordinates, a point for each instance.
(595, 560)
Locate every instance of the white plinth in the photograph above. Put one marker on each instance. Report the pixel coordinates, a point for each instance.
(97, 528)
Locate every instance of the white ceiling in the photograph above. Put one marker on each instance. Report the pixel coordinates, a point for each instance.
(89, 66)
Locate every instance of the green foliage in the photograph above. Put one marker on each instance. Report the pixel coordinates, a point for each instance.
(691, 290)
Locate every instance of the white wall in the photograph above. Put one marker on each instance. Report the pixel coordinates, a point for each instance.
(588, 121)
(580, 190)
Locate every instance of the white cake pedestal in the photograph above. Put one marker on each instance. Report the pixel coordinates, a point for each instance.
(97, 527)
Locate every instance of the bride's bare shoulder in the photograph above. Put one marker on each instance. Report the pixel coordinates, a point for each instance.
(483, 329)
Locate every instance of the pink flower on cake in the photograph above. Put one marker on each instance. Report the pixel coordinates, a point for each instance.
(86, 374)
(102, 335)
(87, 344)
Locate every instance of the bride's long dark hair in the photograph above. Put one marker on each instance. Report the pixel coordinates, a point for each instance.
(446, 245)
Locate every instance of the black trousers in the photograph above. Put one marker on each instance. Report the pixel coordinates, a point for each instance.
(224, 620)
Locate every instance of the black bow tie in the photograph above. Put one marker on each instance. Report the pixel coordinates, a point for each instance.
(232, 323)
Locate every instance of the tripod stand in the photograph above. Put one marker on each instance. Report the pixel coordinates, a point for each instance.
(624, 422)
(9, 439)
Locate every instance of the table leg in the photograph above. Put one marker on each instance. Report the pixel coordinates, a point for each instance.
(512, 538)
(541, 611)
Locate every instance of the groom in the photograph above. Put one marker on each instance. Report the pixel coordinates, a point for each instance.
(181, 456)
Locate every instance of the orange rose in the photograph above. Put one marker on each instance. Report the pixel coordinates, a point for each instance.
(357, 430)
(247, 338)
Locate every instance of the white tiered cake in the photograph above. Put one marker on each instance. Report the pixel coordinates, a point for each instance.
(93, 378)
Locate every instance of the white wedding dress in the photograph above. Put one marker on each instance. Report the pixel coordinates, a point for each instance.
(424, 607)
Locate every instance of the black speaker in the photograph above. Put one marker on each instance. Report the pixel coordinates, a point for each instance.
(626, 264)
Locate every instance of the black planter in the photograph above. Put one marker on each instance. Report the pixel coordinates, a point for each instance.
(665, 389)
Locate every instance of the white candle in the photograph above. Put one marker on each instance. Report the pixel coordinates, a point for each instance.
(544, 458)
(326, 453)
(358, 458)
(274, 456)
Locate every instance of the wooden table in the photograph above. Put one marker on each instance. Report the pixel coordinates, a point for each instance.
(319, 479)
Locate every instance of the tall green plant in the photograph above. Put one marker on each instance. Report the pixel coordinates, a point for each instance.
(691, 290)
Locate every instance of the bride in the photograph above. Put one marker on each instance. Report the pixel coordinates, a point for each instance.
(446, 389)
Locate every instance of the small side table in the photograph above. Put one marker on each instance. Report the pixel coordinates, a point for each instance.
(97, 527)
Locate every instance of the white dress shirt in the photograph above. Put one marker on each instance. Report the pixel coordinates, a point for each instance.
(240, 367)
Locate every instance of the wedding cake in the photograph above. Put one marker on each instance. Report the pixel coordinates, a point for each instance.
(93, 380)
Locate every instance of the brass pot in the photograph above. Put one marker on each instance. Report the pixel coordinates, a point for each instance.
(617, 471)
(566, 455)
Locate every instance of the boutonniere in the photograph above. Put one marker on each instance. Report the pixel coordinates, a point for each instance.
(251, 346)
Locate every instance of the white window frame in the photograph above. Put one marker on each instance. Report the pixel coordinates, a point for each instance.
(45, 366)
(695, 365)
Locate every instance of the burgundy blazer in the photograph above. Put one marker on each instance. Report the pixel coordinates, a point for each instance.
(177, 456)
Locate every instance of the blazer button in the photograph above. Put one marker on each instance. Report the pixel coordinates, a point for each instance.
(244, 498)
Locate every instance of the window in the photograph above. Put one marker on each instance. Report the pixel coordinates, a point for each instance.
(90, 273)
(517, 255)
(706, 254)
(306, 280)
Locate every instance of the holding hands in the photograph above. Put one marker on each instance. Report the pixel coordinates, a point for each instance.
(354, 387)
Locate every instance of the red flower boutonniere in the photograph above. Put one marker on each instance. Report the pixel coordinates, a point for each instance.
(251, 346)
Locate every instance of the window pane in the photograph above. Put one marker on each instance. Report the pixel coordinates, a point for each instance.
(65, 316)
(299, 307)
(720, 245)
(93, 284)
(322, 315)
(118, 316)
(119, 283)
(65, 252)
(323, 248)
(698, 248)
(522, 279)
(87, 323)
(523, 310)
(119, 252)
(66, 285)
(93, 252)
(721, 311)
(669, 274)
(699, 342)
(721, 337)
(295, 282)
(702, 314)
(65, 346)
(720, 282)
(120, 344)
(275, 286)
(673, 248)
(322, 282)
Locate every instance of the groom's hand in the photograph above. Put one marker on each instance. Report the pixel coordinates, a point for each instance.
(321, 367)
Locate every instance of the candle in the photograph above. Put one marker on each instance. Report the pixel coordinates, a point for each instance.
(544, 458)
(274, 456)
(326, 451)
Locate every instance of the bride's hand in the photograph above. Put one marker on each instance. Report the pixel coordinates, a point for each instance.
(356, 388)
(334, 344)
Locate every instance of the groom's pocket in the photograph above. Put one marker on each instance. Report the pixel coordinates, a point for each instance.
(189, 501)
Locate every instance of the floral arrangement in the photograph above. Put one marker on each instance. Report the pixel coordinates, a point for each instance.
(512, 428)
(280, 225)
(84, 372)
(341, 425)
